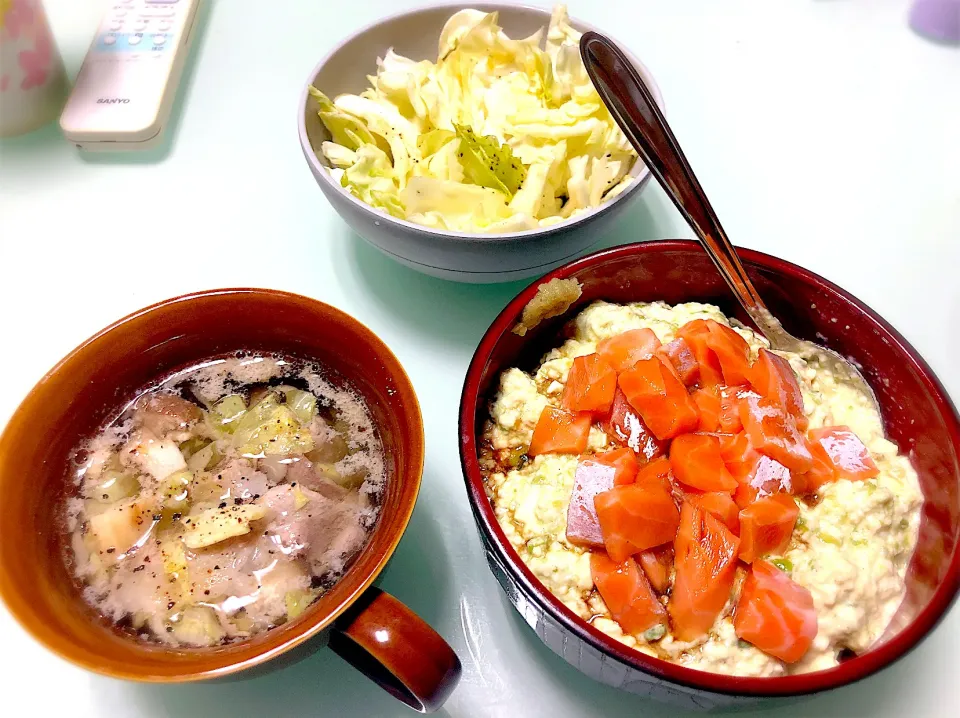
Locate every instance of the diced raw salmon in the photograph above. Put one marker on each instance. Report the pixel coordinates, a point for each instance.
(636, 517)
(706, 563)
(590, 385)
(766, 477)
(720, 504)
(678, 355)
(624, 463)
(660, 399)
(696, 334)
(757, 475)
(729, 416)
(696, 462)
(624, 426)
(774, 433)
(773, 378)
(775, 613)
(846, 452)
(657, 472)
(766, 526)
(657, 563)
(560, 432)
(591, 478)
(626, 349)
(822, 472)
(732, 352)
(627, 593)
(708, 404)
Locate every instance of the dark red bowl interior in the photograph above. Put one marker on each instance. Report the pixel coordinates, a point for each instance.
(918, 416)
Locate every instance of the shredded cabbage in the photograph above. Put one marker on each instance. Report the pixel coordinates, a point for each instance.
(498, 135)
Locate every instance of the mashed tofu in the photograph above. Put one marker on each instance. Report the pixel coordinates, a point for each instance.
(850, 550)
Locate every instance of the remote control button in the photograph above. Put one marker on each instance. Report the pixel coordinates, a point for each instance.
(119, 12)
(159, 39)
(139, 24)
(161, 2)
(134, 40)
(116, 25)
(165, 25)
(109, 40)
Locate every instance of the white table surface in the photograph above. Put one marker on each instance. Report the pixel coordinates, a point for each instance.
(824, 131)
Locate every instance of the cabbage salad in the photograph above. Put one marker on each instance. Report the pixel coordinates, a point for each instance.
(498, 135)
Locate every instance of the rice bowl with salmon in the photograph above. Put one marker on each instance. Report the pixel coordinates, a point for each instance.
(699, 497)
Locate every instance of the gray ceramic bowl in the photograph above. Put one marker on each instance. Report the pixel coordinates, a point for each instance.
(478, 258)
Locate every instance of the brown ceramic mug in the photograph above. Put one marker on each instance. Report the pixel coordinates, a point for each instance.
(370, 629)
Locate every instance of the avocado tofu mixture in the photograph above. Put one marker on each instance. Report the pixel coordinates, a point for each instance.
(699, 497)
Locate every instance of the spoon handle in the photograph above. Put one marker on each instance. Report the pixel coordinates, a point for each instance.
(621, 89)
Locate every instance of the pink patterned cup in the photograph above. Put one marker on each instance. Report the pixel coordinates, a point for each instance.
(33, 83)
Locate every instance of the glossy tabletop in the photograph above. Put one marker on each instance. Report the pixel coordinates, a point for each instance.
(824, 131)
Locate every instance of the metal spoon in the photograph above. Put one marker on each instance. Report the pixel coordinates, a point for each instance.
(635, 110)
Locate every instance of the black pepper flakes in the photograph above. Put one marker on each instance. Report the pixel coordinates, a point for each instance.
(111, 550)
(139, 568)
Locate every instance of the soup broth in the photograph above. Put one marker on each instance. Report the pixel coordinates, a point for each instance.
(224, 501)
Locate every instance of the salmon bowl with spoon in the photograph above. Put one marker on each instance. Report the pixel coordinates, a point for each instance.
(684, 509)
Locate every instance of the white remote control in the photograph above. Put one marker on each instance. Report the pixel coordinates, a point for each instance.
(125, 90)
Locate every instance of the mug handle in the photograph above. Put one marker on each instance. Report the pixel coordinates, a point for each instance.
(395, 648)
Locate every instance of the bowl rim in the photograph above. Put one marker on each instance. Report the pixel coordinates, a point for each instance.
(322, 173)
(310, 626)
(848, 672)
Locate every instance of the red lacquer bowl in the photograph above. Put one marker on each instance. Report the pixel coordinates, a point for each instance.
(918, 416)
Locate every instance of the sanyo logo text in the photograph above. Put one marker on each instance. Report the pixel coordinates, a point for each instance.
(112, 100)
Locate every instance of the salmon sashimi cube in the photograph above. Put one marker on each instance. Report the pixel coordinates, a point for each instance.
(737, 453)
(732, 352)
(696, 462)
(624, 350)
(590, 479)
(729, 415)
(773, 378)
(766, 477)
(756, 475)
(627, 593)
(560, 432)
(774, 432)
(624, 463)
(775, 614)
(624, 426)
(708, 404)
(822, 472)
(719, 504)
(846, 452)
(696, 334)
(660, 398)
(656, 472)
(636, 517)
(766, 526)
(705, 555)
(677, 354)
(590, 385)
(657, 563)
